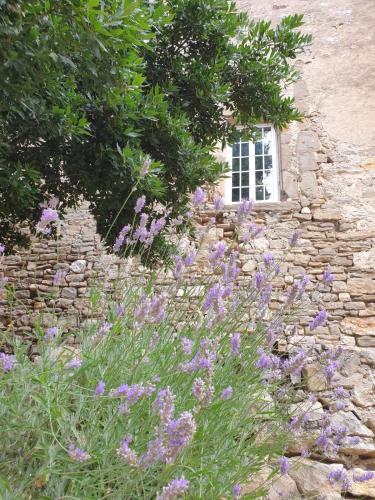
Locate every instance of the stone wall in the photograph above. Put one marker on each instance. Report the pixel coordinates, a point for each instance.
(328, 187)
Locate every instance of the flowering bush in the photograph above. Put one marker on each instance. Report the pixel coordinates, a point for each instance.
(178, 390)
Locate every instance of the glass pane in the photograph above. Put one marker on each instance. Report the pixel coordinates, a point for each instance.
(267, 148)
(244, 149)
(267, 132)
(258, 163)
(235, 195)
(244, 164)
(236, 149)
(268, 161)
(245, 193)
(235, 180)
(258, 148)
(259, 177)
(236, 164)
(259, 194)
(267, 194)
(245, 179)
(267, 176)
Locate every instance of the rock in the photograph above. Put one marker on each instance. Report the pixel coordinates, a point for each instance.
(327, 215)
(305, 210)
(368, 164)
(309, 185)
(283, 487)
(363, 395)
(364, 447)
(249, 266)
(359, 326)
(364, 260)
(366, 341)
(352, 423)
(78, 266)
(69, 293)
(311, 478)
(361, 286)
(363, 489)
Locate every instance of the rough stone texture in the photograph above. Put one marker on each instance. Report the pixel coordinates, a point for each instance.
(328, 193)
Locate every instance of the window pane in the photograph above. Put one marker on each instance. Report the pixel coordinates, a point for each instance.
(267, 148)
(268, 161)
(245, 179)
(236, 164)
(259, 194)
(267, 132)
(235, 195)
(235, 180)
(236, 149)
(259, 178)
(245, 193)
(244, 149)
(258, 163)
(258, 148)
(244, 164)
(267, 194)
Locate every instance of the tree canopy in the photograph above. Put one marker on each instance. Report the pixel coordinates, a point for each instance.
(91, 89)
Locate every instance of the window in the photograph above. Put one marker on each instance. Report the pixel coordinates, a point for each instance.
(254, 169)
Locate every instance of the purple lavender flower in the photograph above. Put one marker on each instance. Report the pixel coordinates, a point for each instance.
(189, 214)
(51, 333)
(236, 492)
(73, 364)
(226, 393)
(293, 240)
(305, 453)
(190, 258)
(217, 253)
(284, 465)
(151, 309)
(164, 405)
(244, 208)
(339, 476)
(366, 476)
(78, 454)
(180, 432)
(319, 320)
(294, 364)
(219, 203)
(119, 310)
(235, 343)
(341, 393)
(2, 249)
(100, 388)
(59, 276)
(268, 259)
(187, 345)
(7, 362)
(126, 454)
(199, 389)
(175, 489)
(121, 238)
(145, 167)
(328, 277)
(49, 215)
(199, 197)
(259, 279)
(140, 203)
(330, 369)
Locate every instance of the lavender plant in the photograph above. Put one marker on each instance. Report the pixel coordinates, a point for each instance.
(176, 391)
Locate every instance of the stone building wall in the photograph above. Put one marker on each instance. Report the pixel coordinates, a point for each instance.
(328, 194)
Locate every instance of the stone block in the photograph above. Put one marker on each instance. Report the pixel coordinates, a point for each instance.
(69, 293)
(290, 185)
(307, 141)
(307, 162)
(312, 480)
(309, 185)
(361, 286)
(365, 341)
(78, 266)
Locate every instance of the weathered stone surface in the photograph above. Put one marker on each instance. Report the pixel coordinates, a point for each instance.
(78, 266)
(359, 488)
(361, 286)
(311, 478)
(283, 487)
(69, 293)
(352, 423)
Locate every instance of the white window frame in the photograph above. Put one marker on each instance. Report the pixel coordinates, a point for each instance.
(275, 171)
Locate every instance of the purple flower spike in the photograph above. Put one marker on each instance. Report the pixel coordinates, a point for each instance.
(7, 362)
(145, 167)
(100, 388)
(51, 333)
(319, 320)
(49, 215)
(284, 465)
(235, 343)
(59, 276)
(219, 203)
(2, 249)
(199, 197)
(187, 345)
(77, 454)
(175, 488)
(339, 476)
(140, 203)
(227, 393)
(366, 476)
(328, 277)
(293, 240)
(236, 491)
(73, 364)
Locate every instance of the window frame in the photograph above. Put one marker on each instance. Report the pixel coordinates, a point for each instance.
(275, 170)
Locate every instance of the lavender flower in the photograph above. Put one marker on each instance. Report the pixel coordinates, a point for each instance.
(236, 492)
(121, 238)
(199, 197)
(284, 465)
(187, 345)
(226, 393)
(319, 320)
(366, 476)
(294, 364)
(119, 310)
(164, 405)
(49, 215)
(244, 208)
(140, 203)
(259, 279)
(78, 454)
(145, 167)
(51, 333)
(268, 259)
(293, 240)
(59, 276)
(2, 249)
(100, 388)
(217, 253)
(151, 309)
(339, 476)
(7, 362)
(180, 432)
(235, 343)
(73, 364)
(219, 203)
(175, 489)
(126, 454)
(328, 277)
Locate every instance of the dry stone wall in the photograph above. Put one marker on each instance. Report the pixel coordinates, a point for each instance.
(328, 194)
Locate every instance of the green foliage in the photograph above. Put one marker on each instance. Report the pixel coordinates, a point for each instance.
(90, 89)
